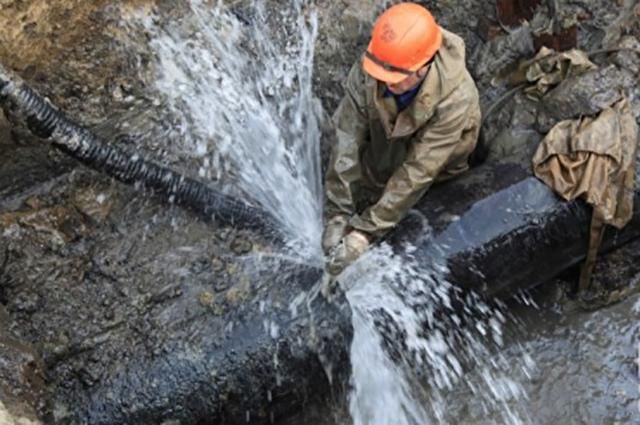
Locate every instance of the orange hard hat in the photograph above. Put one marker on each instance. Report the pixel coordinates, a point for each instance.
(405, 37)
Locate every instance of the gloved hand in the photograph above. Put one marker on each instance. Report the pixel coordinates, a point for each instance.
(334, 232)
(349, 250)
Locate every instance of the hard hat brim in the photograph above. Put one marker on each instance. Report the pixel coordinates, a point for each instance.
(391, 77)
(379, 73)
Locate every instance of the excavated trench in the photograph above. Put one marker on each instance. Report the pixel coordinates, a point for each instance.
(137, 311)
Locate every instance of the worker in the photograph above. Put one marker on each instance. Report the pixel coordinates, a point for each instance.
(410, 117)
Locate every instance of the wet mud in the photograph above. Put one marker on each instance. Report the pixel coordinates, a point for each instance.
(99, 279)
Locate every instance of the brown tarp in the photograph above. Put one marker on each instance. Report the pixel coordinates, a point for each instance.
(593, 158)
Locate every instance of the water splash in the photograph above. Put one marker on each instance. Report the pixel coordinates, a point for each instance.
(243, 105)
(418, 340)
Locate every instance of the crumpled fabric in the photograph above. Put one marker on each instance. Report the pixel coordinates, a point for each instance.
(593, 158)
(548, 68)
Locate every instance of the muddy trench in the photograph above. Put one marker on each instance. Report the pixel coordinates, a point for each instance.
(95, 273)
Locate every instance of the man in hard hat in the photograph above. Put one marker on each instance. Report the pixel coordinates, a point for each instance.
(410, 117)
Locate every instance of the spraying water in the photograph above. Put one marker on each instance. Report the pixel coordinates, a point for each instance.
(239, 85)
(417, 339)
(244, 106)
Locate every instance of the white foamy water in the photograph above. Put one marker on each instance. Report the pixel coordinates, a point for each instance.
(418, 341)
(239, 87)
(244, 105)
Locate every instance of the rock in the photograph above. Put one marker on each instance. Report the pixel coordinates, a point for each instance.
(217, 264)
(93, 203)
(241, 246)
(22, 390)
(238, 293)
(626, 59)
(357, 18)
(7, 418)
(206, 298)
(54, 226)
(501, 52)
(584, 95)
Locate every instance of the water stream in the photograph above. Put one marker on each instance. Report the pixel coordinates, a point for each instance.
(238, 84)
(240, 91)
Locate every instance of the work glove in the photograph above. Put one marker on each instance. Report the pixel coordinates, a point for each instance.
(348, 250)
(335, 230)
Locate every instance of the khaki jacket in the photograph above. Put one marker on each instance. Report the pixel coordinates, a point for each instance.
(387, 161)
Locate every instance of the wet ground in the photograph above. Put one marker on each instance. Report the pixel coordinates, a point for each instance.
(140, 255)
(87, 264)
(585, 363)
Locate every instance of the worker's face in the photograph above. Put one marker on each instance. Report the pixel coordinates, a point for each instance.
(410, 82)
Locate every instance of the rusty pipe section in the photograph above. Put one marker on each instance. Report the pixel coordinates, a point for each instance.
(47, 122)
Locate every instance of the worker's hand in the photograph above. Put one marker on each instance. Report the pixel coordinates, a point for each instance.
(348, 250)
(334, 232)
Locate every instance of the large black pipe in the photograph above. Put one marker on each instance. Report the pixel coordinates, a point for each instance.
(501, 230)
(45, 121)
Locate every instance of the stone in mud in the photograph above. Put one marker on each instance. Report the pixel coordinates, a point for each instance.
(629, 60)
(498, 54)
(93, 203)
(22, 388)
(241, 245)
(217, 264)
(7, 418)
(584, 95)
(54, 226)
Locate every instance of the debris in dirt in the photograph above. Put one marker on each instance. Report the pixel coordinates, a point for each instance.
(22, 384)
(238, 293)
(54, 226)
(169, 292)
(93, 203)
(241, 245)
(217, 264)
(488, 29)
(628, 59)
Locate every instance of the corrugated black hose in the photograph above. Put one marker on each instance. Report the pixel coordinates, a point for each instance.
(46, 122)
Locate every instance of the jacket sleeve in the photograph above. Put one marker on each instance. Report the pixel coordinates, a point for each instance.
(426, 157)
(352, 130)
